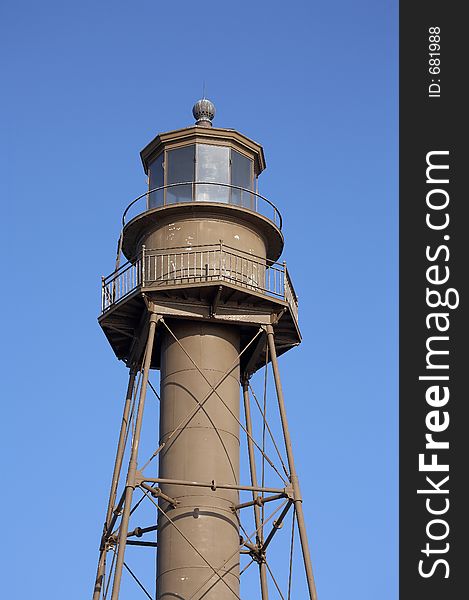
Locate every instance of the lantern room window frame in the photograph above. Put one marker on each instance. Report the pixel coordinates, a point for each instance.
(224, 194)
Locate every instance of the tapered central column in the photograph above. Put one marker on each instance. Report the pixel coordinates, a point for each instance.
(202, 532)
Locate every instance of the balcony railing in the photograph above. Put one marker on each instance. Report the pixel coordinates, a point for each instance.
(199, 264)
(232, 194)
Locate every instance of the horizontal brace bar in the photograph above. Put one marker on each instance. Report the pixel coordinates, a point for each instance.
(260, 501)
(251, 547)
(137, 543)
(223, 486)
(139, 531)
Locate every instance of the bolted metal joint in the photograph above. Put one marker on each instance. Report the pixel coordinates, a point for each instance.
(157, 493)
(290, 493)
(277, 524)
(258, 557)
(255, 551)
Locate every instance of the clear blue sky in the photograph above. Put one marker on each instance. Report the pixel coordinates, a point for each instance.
(85, 86)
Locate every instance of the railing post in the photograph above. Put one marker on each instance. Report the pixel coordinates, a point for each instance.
(102, 293)
(220, 258)
(285, 282)
(143, 266)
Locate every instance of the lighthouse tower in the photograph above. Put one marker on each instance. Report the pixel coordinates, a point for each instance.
(201, 298)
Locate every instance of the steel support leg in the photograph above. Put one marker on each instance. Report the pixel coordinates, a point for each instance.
(114, 484)
(252, 468)
(291, 463)
(130, 483)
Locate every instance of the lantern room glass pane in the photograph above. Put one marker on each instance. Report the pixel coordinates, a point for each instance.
(156, 173)
(213, 164)
(242, 173)
(180, 168)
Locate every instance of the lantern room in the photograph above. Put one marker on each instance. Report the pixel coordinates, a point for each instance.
(203, 164)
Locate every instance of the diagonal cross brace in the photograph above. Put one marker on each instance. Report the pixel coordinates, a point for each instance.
(214, 389)
(188, 418)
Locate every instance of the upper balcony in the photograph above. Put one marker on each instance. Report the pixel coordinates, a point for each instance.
(213, 282)
(199, 265)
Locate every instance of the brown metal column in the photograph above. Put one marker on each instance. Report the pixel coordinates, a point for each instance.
(252, 468)
(114, 483)
(130, 483)
(205, 449)
(291, 463)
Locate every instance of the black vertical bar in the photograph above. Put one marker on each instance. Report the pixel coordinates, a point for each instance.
(434, 360)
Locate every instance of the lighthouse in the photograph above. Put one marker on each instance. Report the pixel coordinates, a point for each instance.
(200, 296)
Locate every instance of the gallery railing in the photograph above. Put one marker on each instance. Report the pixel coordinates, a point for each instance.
(202, 191)
(195, 265)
